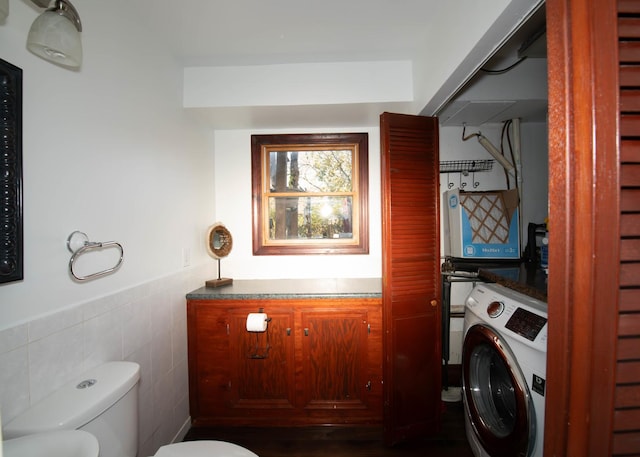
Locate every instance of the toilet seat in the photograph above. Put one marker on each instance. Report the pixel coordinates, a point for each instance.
(205, 448)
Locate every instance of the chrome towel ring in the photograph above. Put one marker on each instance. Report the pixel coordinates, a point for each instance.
(78, 243)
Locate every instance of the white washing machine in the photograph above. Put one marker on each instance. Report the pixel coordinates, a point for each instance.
(504, 359)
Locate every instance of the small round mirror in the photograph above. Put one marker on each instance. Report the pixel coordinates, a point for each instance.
(219, 241)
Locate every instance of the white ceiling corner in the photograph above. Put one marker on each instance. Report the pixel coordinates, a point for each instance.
(222, 33)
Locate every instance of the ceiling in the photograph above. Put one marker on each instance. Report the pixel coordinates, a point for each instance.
(259, 32)
(512, 84)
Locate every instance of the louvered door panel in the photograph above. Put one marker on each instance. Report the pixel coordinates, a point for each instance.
(630, 99)
(628, 349)
(411, 275)
(626, 424)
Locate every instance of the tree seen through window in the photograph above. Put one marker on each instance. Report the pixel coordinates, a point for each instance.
(319, 194)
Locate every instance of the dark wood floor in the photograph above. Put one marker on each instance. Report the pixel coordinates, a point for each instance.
(343, 441)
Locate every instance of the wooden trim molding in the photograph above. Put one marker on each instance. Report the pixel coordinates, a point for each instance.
(294, 244)
(584, 215)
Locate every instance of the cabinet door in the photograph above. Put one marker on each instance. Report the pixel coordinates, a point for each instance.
(411, 275)
(334, 367)
(262, 363)
(208, 359)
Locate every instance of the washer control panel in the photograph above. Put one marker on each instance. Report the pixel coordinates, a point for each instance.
(523, 317)
(525, 323)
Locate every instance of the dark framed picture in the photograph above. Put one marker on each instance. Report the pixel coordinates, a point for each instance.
(11, 231)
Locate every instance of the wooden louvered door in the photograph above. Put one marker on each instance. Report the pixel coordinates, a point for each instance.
(626, 423)
(410, 275)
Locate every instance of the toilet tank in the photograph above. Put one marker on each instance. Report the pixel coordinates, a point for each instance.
(103, 402)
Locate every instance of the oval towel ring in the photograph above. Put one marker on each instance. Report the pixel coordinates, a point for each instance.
(78, 243)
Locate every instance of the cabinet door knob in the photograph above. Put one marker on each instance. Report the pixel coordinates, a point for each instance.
(434, 302)
(306, 332)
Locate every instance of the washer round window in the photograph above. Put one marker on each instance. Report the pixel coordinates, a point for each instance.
(496, 395)
(492, 390)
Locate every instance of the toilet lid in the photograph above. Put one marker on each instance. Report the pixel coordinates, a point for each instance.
(204, 449)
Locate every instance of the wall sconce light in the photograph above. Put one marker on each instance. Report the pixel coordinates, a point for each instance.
(55, 34)
(4, 10)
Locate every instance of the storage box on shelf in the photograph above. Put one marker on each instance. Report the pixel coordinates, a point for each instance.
(481, 225)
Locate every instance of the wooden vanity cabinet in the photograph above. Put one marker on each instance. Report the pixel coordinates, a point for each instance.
(319, 362)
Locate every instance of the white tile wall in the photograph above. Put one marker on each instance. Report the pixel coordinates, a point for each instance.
(145, 324)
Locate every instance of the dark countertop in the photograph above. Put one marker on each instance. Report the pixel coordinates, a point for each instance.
(524, 278)
(242, 289)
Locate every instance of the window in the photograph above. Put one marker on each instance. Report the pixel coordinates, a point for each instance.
(310, 194)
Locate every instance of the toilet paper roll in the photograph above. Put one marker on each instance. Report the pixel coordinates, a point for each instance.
(257, 322)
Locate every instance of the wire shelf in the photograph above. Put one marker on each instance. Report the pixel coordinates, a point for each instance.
(465, 166)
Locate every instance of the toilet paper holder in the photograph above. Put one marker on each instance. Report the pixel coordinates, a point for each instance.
(257, 351)
(257, 322)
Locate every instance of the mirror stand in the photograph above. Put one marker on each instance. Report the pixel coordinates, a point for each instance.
(219, 244)
(220, 281)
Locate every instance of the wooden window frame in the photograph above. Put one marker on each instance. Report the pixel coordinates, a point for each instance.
(261, 145)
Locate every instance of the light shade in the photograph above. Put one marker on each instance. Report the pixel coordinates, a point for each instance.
(55, 38)
(4, 9)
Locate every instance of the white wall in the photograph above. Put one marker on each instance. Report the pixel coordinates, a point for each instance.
(109, 151)
(233, 208)
(286, 85)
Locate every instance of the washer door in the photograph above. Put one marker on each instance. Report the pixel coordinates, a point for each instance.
(497, 399)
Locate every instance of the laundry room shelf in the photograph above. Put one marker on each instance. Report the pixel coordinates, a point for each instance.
(465, 166)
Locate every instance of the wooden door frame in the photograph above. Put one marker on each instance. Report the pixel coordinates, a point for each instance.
(584, 226)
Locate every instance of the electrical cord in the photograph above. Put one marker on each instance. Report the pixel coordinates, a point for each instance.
(505, 128)
(513, 159)
(504, 70)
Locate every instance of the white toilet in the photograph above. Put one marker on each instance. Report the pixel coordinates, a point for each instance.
(104, 402)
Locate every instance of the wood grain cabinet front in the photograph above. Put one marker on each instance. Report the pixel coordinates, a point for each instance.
(319, 362)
